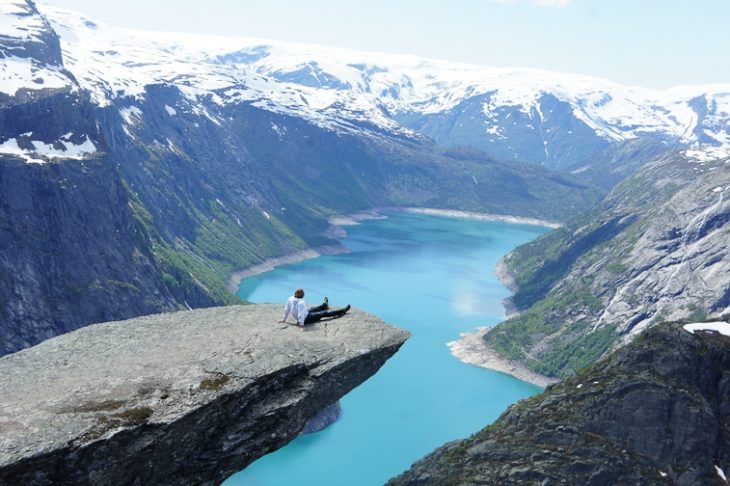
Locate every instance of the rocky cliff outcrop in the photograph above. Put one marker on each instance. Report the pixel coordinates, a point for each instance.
(180, 398)
(654, 250)
(655, 412)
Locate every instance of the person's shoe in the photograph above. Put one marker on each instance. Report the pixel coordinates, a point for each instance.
(342, 312)
(326, 302)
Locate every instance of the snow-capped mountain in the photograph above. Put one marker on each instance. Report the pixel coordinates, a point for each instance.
(559, 120)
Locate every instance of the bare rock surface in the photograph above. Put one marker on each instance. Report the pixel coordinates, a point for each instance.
(185, 397)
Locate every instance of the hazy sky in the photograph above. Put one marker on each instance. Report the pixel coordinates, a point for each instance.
(654, 43)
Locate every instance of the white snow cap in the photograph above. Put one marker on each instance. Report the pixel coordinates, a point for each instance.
(16, 21)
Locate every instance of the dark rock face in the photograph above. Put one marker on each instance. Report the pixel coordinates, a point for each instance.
(181, 398)
(56, 278)
(71, 252)
(655, 412)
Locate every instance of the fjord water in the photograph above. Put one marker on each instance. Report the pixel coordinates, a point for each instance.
(435, 277)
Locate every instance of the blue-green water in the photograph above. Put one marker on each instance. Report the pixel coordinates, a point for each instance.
(435, 277)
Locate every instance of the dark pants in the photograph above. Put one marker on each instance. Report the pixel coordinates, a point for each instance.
(321, 312)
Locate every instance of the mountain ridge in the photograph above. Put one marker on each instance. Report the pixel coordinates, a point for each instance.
(452, 103)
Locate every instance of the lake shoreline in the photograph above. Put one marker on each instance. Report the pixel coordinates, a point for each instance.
(508, 280)
(234, 281)
(504, 218)
(471, 349)
(335, 230)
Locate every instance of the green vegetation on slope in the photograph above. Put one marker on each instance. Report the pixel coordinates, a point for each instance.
(582, 288)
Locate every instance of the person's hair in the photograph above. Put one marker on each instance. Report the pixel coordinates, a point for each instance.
(299, 293)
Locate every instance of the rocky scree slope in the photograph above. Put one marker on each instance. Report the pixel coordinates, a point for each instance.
(127, 193)
(654, 249)
(654, 412)
(181, 398)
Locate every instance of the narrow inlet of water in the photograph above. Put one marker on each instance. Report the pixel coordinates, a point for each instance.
(435, 277)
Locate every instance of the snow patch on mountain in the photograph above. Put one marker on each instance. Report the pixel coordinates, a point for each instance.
(132, 115)
(707, 153)
(39, 152)
(18, 73)
(717, 327)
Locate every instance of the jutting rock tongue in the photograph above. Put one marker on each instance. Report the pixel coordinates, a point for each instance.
(180, 398)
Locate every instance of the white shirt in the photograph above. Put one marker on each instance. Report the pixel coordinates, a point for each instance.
(297, 308)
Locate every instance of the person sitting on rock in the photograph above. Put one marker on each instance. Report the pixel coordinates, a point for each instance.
(296, 306)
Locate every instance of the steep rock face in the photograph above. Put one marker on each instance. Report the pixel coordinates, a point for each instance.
(655, 249)
(56, 278)
(71, 251)
(655, 412)
(181, 398)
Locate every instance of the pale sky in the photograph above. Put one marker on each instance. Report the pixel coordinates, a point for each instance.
(652, 43)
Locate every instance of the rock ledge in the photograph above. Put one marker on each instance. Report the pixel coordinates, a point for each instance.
(185, 397)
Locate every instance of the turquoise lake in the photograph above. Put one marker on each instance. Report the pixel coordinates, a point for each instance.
(435, 277)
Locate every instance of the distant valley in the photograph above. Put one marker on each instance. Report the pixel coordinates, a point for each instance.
(129, 191)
